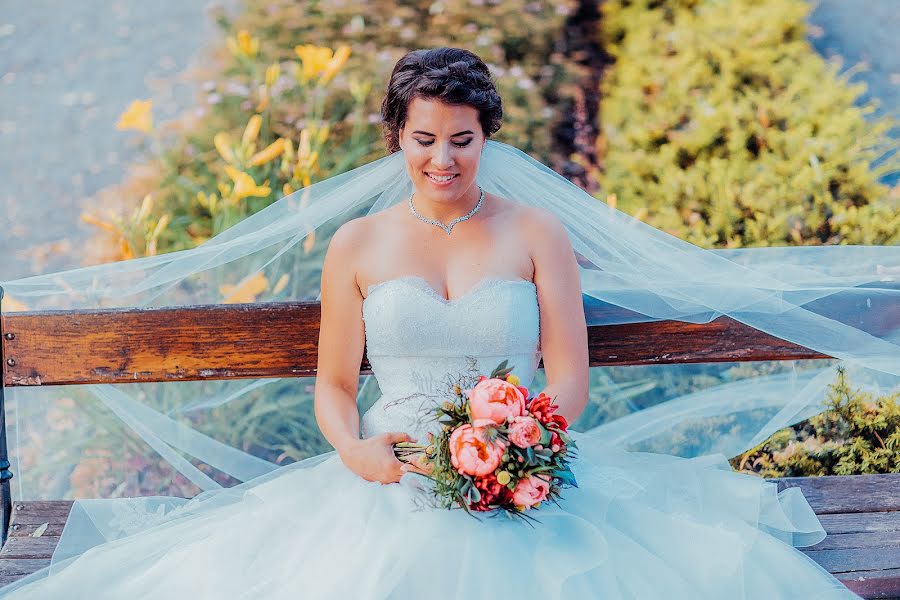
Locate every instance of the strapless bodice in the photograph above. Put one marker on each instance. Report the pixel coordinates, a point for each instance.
(417, 341)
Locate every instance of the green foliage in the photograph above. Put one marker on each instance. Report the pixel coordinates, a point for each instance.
(518, 39)
(724, 127)
(856, 434)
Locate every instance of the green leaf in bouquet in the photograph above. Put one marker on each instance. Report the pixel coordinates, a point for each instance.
(566, 476)
(546, 435)
(501, 371)
(498, 368)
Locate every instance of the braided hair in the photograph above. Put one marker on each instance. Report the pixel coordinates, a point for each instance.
(451, 75)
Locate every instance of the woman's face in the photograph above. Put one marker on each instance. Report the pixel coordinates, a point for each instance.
(442, 144)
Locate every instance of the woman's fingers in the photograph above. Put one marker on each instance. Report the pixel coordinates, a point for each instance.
(420, 465)
(399, 436)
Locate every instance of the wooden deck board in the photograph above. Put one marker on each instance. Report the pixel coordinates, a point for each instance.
(860, 513)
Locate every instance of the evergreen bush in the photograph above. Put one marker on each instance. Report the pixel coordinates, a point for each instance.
(721, 125)
(857, 434)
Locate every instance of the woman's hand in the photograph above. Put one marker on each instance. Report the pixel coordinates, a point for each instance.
(373, 458)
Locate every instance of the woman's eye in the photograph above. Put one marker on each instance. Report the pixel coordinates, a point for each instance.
(457, 144)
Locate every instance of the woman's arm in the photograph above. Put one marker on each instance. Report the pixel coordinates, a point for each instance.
(342, 340)
(563, 327)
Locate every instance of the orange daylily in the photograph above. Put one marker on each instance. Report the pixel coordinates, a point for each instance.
(243, 44)
(245, 186)
(267, 154)
(138, 115)
(247, 290)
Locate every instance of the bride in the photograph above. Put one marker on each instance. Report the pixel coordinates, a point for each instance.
(426, 286)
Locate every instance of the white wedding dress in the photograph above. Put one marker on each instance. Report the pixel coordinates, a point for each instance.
(639, 526)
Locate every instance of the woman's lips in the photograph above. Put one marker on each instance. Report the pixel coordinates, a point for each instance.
(441, 182)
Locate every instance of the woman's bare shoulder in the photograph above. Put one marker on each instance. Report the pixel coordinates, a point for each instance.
(534, 220)
(357, 232)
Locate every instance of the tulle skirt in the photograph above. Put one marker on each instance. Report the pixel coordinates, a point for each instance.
(639, 526)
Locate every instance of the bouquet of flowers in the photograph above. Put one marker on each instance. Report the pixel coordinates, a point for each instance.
(499, 448)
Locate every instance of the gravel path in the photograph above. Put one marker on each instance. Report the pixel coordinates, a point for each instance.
(67, 70)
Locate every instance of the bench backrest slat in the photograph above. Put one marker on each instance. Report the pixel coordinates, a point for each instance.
(281, 340)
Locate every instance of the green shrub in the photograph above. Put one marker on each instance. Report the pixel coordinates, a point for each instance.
(721, 125)
(856, 434)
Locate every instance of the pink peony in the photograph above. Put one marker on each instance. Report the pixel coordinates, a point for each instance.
(530, 490)
(524, 432)
(497, 400)
(471, 452)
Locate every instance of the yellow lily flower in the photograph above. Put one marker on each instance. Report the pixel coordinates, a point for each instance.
(243, 45)
(104, 225)
(360, 89)
(269, 153)
(223, 145)
(335, 64)
(251, 132)
(308, 242)
(313, 59)
(264, 99)
(209, 202)
(247, 290)
(273, 72)
(322, 135)
(244, 186)
(125, 249)
(157, 231)
(138, 115)
(281, 284)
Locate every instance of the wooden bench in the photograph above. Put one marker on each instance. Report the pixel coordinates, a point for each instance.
(860, 513)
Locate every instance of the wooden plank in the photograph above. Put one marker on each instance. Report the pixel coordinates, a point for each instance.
(15, 569)
(847, 560)
(24, 530)
(840, 523)
(41, 509)
(870, 539)
(675, 342)
(29, 547)
(20, 567)
(27, 517)
(119, 346)
(874, 584)
(281, 340)
(842, 494)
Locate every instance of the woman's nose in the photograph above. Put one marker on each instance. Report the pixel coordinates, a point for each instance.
(442, 157)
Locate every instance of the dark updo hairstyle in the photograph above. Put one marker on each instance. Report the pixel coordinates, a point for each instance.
(451, 75)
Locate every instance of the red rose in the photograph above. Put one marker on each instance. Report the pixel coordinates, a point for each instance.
(560, 422)
(555, 440)
(541, 407)
(492, 493)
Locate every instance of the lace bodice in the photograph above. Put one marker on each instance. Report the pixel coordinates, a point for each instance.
(417, 341)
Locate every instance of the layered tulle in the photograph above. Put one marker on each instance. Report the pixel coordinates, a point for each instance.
(640, 525)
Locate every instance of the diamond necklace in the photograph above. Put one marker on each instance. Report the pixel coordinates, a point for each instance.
(447, 228)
